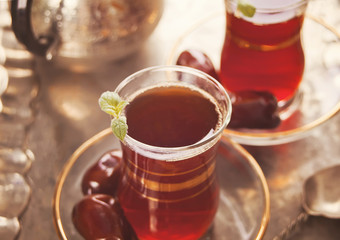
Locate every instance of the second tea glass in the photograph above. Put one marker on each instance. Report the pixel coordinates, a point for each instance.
(263, 52)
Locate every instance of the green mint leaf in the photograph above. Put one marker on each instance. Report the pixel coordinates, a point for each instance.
(119, 127)
(245, 8)
(112, 104)
(121, 105)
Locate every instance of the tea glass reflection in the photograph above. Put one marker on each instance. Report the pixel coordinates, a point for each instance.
(170, 192)
(264, 52)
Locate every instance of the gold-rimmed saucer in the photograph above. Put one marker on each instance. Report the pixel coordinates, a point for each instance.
(318, 98)
(244, 203)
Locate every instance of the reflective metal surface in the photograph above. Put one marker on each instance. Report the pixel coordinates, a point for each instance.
(66, 113)
(321, 195)
(88, 32)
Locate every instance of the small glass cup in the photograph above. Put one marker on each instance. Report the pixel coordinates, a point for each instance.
(264, 52)
(171, 192)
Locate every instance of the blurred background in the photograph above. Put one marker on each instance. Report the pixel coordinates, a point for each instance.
(48, 105)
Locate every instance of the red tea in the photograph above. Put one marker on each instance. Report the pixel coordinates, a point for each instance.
(264, 57)
(170, 199)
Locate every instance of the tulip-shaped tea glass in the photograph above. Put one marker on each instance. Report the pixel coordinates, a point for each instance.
(175, 118)
(262, 50)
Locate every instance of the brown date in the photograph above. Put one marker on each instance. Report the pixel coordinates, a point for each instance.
(100, 216)
(254, 109)
(104, 175)
(198, 60)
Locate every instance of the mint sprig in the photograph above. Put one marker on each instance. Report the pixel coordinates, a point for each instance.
(112, 104)
(245, 8)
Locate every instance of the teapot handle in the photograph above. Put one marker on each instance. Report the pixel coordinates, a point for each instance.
(22, 28)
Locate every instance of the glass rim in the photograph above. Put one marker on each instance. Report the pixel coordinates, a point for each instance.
(202, 142)
(283, 8)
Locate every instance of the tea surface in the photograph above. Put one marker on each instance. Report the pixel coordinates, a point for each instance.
(171, 117)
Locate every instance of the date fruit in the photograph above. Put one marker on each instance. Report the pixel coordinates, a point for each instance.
(254, 110)
(198, 60)
(99, 216)
(104, 176)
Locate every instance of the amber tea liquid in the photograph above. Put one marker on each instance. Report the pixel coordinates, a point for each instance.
(263, 57)
(170, 199)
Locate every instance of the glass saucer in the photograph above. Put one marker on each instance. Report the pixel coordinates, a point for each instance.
(244, 202)
(318, 98)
